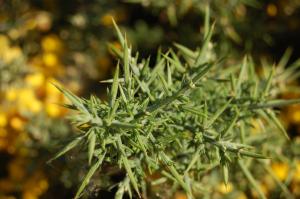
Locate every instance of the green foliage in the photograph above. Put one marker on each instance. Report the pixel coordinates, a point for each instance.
(12, 72)
(181, 118)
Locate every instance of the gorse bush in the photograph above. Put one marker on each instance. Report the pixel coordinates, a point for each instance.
(179, 123)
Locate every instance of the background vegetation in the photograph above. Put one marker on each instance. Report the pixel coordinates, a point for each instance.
(68, 43)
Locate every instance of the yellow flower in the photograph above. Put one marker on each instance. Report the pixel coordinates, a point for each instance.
(30, 24)
(52, 43)
(225, 188)
(50, 59)
(3, 144)
(52, 110)
(11, 148)
(117, 45)
(8, 197)
(118, 15)
(281, 170)
(43, 21)
(264, 188)
(3, 132)
(53, 95)
(6, 185)
(35, 80)
(29, 195)
(17, 123)
(11, 94)
(295, 116)
(35, 106)
(79, 20)
(16, 169)
(35, 185)
(256, 126)
(23, 151)
(104, 64)
(50, 88)
(241, 196)
(272, 10)
(15, 33)
(43, 184)
(27, 95)
(28, 101)
(180, 195)
(106, 19)
(12, 53)
(297, 173)
(3, 120)
(4, 44)
(74, 86)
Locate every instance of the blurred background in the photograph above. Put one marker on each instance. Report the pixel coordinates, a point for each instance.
(67, 43)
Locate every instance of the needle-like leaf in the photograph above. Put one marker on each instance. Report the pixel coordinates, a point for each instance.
(88, 176)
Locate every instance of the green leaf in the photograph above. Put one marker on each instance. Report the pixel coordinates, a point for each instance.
(250, 154)
(285, 58)
(195, 157)
(142, 145)
(274, 103)
(268, 83)
(277, 123)
(242, 75)
(127, 166)
(76, 101)
(169, 76)
(251, 179)
(118, 124)
(281, 185)
(205, 50)
(115, 51)
(161, 103)
(126, 58)
(157, 69)
(120, 192)
(218, 113)
(176, 62)
(114, 87)
(164, 84)
(194, 110)
(225, 173)
(233, 83)
(204, 68)
(185, 51)
(178, 178)
(67, 148)
(206, 21)
(131, 175)
(88, 176)
(231, 124)
(122, 188)
(120, 36)
(171, 13)
(92, 143)
(123, 94)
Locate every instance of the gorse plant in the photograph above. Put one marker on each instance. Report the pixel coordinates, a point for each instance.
(175, 122)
